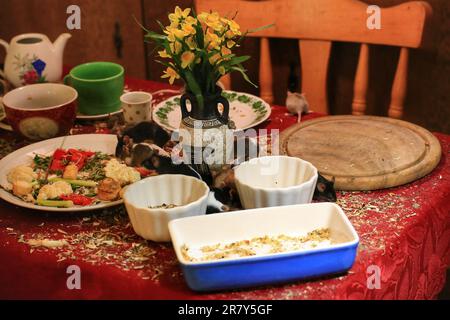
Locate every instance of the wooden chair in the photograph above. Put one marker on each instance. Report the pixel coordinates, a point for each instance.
(316, 23)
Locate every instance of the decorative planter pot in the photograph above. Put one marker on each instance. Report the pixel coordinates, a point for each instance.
(205, 132)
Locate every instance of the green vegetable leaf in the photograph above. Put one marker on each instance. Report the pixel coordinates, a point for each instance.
(244, 75)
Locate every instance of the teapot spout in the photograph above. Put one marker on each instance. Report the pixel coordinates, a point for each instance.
(60, 43)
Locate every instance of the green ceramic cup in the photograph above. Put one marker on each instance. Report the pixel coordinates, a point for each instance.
(99, 86)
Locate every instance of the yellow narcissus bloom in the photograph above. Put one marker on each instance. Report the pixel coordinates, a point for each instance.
(175, 47)
(214, 58)
(230, 44)
(171, 74)
(212, 40)
(164, 54)
(234, 27)
(229, 34)
(179, 15)
(191, 43)
(173, 34)
(190, 20)
(225, 51)
(212, 20)
(187, 58)
(188, 29)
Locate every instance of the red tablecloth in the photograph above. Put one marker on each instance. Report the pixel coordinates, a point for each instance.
(404, 231)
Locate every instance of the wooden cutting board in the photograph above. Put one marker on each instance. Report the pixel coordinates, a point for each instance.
(363, 152)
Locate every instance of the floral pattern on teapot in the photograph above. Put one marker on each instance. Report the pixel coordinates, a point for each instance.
(30, 69)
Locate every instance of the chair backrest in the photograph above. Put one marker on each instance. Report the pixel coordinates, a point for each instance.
(317, 23)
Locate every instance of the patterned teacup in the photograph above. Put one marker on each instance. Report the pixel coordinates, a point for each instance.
(136, 106)
(41, 111)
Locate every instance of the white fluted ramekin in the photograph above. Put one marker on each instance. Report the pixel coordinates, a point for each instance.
(275, 181)
(188, 193)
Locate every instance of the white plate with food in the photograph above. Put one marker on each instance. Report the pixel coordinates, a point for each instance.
(66, 174)
(246, 111)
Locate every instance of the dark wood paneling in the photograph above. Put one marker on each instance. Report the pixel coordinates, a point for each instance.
(95, 40)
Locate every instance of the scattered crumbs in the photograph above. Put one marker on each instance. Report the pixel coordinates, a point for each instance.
(48, 243)
(105, 238)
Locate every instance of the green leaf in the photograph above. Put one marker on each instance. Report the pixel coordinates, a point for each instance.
(261, 28)
(244, 75)
(142, 27)
(155, 36)
(160, 25)
(234, 61)
(195, 88)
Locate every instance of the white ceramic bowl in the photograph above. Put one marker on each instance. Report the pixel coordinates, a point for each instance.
(275, 181)
(188, 193)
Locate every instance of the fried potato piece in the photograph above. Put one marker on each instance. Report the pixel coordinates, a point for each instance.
(70, 172)
(108, 189)
(22, 188)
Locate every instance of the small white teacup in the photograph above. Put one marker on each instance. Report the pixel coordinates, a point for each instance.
(136, 106)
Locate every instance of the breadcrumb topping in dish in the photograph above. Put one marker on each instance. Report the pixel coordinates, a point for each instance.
(257, 246)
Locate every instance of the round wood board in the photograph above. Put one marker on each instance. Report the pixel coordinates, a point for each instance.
(363, 152)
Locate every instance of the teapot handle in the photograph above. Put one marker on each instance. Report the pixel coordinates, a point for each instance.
(6, 45)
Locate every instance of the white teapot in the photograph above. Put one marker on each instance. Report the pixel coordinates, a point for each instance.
(32, 58)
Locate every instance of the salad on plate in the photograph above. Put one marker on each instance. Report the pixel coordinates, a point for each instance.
(71, 177)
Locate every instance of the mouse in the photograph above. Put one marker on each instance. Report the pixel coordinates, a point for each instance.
(324, 191)
(148, 132)
(296, 103)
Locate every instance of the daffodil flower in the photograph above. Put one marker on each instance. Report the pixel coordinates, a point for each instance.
(175, 47)
(173, 34)
(179, 15)
(191, 43)
(212, 39)
(187, 58)
(215, 58)
(171, 74)
(230, 44)
(212, 20)
(234, 27)
(190, 20)
(164, 54)
(188, 29)
(225, 52)
(189, 50)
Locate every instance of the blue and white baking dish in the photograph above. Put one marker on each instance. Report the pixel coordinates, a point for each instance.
(269, 268)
